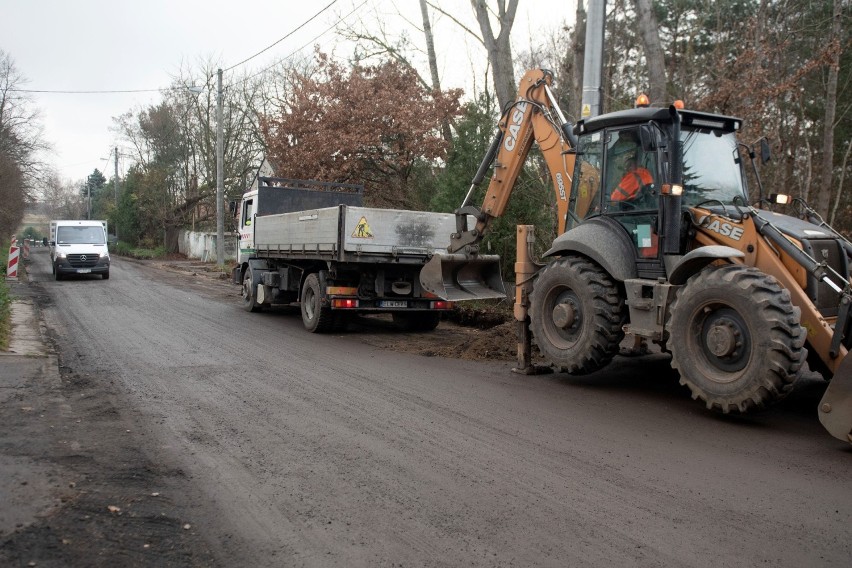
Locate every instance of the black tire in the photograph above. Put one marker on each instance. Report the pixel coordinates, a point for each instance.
(316, 317)
(248, 292)
(57, 275)
(576, 315)
(417, 321)
(736, 338)
(105, 275)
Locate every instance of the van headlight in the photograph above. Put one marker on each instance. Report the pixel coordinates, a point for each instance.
(105, 255)
(61, 255)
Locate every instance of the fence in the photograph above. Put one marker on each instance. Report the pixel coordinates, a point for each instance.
(203, 246)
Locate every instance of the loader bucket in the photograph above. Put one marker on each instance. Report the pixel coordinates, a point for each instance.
(835, 408)
(456, 277)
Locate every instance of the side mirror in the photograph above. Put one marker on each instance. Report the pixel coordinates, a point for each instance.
(765, 152)
(232, 206)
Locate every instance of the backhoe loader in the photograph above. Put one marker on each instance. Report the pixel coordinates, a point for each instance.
(740, 296)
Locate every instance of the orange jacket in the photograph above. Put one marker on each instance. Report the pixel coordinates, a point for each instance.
(629, 186)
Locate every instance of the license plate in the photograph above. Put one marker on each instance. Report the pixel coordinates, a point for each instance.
(393, 304)
(83, 270)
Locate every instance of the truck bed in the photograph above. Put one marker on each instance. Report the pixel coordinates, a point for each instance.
(352, 234)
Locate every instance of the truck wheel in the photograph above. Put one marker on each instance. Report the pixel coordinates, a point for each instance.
(417, 321)
(576, 315)
(735, 338)
(105, 275)
(249, 292)
(316, 317)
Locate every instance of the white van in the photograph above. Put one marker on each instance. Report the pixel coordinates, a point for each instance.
(79, 247)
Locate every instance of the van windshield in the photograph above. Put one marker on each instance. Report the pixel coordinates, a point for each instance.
(80, 235)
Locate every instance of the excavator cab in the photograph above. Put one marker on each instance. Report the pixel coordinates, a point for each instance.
(618, 176)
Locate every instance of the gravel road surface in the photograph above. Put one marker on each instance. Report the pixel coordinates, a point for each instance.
(228, 438)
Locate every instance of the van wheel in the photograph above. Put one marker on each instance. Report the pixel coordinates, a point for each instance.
(105, 275)
(316, 317)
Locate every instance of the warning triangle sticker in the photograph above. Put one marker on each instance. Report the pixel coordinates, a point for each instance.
(362, 230)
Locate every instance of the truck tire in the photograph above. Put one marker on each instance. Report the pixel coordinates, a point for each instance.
(316, 317)
(105, 275)
(735, 338)
(417, 321)
(576, 315)
(248, 291)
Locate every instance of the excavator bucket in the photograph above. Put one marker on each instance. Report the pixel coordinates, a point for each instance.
(835, 408)
(456, 277)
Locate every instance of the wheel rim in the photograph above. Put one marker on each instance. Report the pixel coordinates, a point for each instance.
(309, 303)
(246, 291)
(722, 337)
(564, 317)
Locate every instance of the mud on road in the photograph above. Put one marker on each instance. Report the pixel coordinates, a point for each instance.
(77, 488)
(429, 467)
(106, 502)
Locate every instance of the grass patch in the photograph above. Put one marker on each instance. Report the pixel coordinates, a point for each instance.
(125, 249)
(5, 307)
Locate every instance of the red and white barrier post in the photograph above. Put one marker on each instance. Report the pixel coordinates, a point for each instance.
(12, 265)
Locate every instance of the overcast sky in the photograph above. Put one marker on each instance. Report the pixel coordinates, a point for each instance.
(108, 45)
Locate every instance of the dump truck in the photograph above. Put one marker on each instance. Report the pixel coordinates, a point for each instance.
(657, 238)
(313, 245)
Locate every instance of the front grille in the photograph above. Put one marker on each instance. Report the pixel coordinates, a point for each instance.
(83, 260)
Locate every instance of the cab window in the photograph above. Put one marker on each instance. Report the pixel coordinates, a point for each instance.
(248, 212)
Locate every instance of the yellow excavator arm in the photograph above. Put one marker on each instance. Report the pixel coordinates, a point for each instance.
(533, 117)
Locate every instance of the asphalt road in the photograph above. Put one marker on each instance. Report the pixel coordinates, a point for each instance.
(299, 449)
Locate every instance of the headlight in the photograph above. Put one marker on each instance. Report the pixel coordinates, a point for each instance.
(105, 255)
(61, 255)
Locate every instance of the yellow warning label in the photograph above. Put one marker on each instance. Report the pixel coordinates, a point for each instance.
(587, 110)
(362, 230)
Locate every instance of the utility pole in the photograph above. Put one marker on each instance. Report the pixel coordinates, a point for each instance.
(220, 176)
(115, 225)
(593, 60)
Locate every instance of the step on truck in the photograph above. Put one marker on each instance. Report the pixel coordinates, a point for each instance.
(313, 245)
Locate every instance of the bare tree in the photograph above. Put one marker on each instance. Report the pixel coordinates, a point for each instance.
(823, 196)
(654, 55)
(498, 46)
(21, 135)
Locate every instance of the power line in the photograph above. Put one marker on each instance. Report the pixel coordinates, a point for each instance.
(168, 89)
(328, 29)
(270, 46)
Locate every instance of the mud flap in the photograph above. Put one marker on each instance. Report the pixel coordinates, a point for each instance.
(456, 277)
(835, 408)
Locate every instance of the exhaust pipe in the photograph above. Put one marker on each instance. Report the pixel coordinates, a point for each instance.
(456, 277)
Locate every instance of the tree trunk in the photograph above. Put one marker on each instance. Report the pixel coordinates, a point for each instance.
(823, 197)
(499, 48)
(654, 56)
(433, 64)
(841, 181)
